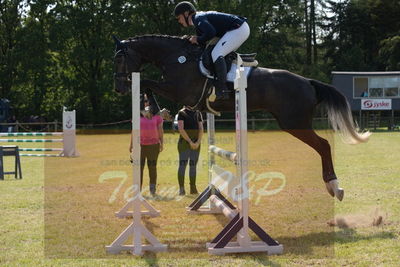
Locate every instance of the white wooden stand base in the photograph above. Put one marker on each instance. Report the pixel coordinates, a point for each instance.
(254, 246)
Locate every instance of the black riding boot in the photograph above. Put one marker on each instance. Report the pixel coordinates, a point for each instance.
(221, 89)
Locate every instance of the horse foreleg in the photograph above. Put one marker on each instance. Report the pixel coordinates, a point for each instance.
(323, 148)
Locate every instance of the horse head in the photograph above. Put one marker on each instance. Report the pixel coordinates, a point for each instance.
(126, 61)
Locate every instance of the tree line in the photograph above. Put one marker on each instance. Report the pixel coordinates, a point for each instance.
(57, 53)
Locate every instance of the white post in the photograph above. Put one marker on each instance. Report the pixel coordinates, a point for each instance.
(137, 216)
(211, 156)
(69, 134)
(241, 150)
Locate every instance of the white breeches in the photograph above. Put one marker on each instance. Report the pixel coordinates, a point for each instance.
(231, 41)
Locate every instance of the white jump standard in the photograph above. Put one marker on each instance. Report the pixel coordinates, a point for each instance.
(240, 221)
(68, 139)
(136, 228)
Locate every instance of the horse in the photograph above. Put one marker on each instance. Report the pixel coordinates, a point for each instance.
(290, 98)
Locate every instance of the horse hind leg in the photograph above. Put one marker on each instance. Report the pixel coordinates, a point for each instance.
(323, 148)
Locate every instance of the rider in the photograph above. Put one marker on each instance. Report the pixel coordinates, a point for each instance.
(233, 31)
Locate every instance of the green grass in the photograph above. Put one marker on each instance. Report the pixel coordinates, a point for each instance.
(61, 214)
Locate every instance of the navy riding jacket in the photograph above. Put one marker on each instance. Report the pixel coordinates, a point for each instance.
(212, 24)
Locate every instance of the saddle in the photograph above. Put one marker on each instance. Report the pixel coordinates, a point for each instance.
(206, 64)
(206, 67)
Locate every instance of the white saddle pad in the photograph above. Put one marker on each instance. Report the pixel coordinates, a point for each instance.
(230, 76)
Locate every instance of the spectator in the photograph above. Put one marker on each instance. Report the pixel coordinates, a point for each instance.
(151, 143)
(190, 126)
(364, 93)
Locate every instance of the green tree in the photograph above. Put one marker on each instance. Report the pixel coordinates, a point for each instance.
(10, 26)
(35, 64)
(82, 48)
(357, 33)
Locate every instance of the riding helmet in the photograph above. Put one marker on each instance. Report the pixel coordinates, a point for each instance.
(184, 6)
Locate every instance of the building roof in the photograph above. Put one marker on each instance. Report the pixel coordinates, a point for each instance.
(366, 72)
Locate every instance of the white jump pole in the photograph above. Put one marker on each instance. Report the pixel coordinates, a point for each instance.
(136, 228)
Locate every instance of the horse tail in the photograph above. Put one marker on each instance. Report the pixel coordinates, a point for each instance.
(339, 113)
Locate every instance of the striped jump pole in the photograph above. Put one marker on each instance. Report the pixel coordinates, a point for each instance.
(31, 134)
(40, 155)
(40, 149)
(228, 155)
(31, 140)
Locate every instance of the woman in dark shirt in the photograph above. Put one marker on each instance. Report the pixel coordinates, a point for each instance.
(190, 126)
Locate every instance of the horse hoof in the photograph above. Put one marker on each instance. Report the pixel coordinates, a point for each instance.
(340, 194)
(329, 189)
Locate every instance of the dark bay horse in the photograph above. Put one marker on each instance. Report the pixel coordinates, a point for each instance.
(290, 98)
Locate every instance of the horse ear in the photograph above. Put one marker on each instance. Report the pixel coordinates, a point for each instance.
(116, 40)
(118, 43)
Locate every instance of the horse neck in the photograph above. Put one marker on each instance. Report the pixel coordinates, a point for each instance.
(156, 49)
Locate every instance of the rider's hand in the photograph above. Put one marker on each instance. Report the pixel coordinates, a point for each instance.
(193, 40)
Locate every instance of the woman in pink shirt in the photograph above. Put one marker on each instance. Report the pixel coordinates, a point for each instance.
(151, 143)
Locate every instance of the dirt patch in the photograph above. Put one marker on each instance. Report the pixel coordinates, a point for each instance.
(375, 217)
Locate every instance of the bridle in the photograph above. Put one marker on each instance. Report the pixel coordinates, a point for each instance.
(123, 53)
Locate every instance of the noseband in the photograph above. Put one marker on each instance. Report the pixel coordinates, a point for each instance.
(123, 53)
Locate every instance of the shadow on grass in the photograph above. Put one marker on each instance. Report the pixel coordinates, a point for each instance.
(159, 198)
(149, 256)
(305, 244)
(349, 235)
(171, 197)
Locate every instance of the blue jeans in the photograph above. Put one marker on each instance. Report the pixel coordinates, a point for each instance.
(185, 156)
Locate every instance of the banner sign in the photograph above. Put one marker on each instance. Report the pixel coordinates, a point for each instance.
(376, 104)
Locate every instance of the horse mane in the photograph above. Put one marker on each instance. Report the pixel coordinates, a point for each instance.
(148, 37)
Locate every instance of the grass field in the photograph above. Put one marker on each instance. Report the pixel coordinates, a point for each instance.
(61, 212)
